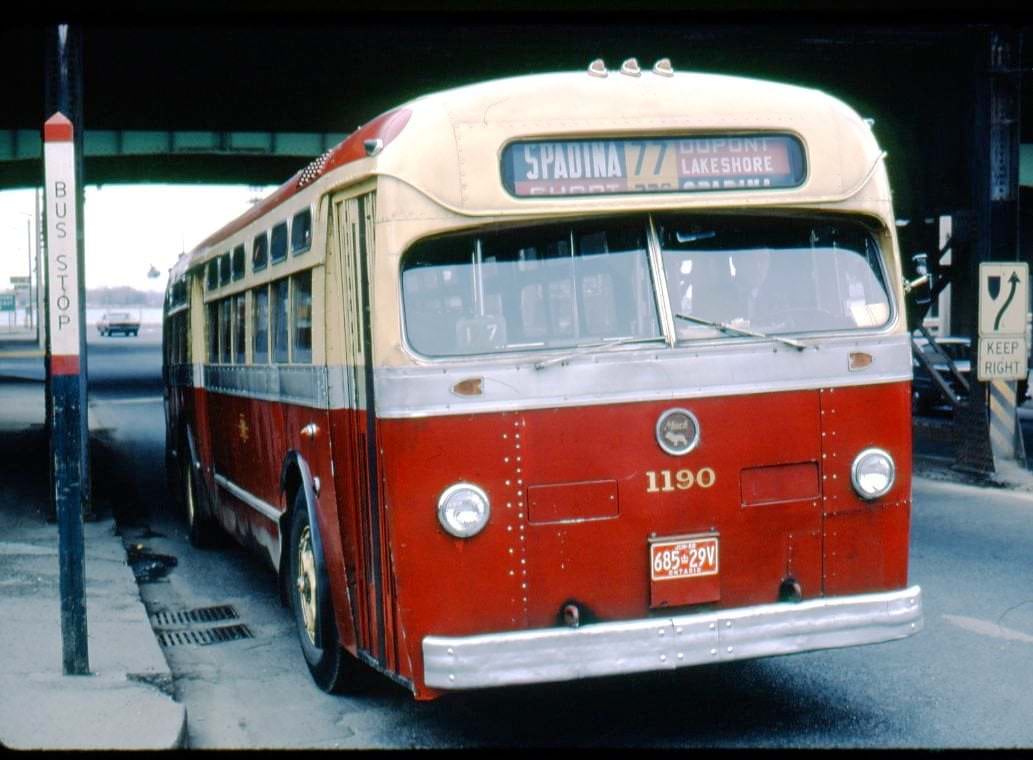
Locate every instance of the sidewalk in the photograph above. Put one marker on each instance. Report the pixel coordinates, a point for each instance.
(126, 702)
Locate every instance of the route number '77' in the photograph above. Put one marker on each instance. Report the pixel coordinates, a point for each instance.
(642, 146)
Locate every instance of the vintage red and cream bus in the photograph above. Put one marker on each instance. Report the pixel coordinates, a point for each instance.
(561, 376)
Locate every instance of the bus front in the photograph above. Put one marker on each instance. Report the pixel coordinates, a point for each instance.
(652, 425)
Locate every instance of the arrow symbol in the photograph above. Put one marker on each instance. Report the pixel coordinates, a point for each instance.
(1014, 280)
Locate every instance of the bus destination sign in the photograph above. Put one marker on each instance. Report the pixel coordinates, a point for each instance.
(656, 165)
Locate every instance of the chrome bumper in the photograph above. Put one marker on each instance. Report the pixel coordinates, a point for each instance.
(666, 643)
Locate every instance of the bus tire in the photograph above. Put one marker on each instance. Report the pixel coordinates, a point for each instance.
(331, 666)
(201, 529)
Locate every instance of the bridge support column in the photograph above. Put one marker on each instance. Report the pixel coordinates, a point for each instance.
(986, 427)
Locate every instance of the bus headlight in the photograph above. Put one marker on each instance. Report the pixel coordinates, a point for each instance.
(872, 473)
(463, 510)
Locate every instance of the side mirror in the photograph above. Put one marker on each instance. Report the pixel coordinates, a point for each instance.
(920, 264)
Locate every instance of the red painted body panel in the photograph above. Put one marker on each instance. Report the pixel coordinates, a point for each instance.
(355, 543)
(779, 482)
(866, 543)
(249, 449)
(518, 573)
(572, 502)
(779, 499)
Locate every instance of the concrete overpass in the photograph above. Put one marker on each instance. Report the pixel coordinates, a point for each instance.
(229, 102)
(252, 103)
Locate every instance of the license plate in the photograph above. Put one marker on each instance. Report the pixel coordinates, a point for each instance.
(694, 557)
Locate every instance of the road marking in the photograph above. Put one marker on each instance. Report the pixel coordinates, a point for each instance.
(986, 628)
(121, 401)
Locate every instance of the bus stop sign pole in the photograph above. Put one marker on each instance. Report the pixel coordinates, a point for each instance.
(64, 371)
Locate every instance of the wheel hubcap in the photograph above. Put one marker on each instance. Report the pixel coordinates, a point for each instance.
(306, 582)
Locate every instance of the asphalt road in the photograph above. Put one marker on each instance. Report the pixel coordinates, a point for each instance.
(964, 681)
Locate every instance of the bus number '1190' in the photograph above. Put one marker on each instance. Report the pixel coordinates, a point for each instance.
(681, 480)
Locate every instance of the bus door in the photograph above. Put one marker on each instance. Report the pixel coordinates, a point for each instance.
(355, 432)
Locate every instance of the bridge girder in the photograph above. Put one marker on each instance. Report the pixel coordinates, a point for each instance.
(169, 156)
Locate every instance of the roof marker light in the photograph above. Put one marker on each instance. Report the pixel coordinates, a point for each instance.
(373, 147)
(663, 68)
(630, 68)
(597, 68)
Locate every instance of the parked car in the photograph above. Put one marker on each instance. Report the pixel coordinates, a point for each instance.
(926, 395)
(123, 322)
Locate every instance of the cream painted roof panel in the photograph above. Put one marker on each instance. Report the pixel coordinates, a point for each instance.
(451, 148)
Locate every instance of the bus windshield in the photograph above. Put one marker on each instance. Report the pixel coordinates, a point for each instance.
(771, 274)
(577, 284)
(547, 286)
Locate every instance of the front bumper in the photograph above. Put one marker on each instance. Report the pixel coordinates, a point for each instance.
(667, 643)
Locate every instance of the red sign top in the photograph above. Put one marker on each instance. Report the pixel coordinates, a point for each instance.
(57, 129)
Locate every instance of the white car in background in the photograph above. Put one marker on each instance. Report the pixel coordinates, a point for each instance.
(122, 322)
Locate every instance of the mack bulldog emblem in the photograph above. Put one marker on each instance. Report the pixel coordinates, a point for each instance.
(677, 431)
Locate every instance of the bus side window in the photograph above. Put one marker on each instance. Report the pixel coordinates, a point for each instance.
(259, 253)
(184, 337)
(239, 316)
(280, 321)
(278, 243)
(213, 332)
(224, 268)
(301, 232)
(301, 351)
(260, 314)
(225, 330)
(238, 262)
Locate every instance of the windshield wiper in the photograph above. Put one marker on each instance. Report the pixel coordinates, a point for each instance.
(742, 331)
(603, 345)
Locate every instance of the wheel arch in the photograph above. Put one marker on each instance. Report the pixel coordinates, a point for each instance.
(295, 478)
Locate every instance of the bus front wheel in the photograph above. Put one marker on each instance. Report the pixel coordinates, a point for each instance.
(330, 663)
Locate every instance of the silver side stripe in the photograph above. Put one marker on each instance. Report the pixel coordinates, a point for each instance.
(642, 374)
(637, 373)
(289, 384)
(318, 387)
(264, 508)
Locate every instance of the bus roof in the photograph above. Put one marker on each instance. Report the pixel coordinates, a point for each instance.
(447, 144)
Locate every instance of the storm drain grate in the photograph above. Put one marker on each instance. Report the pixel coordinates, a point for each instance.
(182, 622)
(166, 619)
(205, 636)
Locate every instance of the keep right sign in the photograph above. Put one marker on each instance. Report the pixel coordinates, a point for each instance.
(1003, 304)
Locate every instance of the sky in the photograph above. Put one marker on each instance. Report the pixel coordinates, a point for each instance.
(129, 228)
